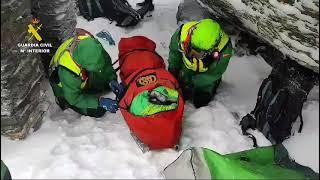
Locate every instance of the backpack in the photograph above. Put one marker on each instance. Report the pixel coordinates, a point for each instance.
(114, 10)
(279, 103)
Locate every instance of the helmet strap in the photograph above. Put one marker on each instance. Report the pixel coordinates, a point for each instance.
(187, 43)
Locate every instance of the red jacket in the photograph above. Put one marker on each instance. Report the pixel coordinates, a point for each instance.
(141, 68)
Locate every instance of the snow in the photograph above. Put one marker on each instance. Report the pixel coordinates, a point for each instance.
(71, 146)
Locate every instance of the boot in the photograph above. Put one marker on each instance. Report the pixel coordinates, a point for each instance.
(144, 2)
(151, 7)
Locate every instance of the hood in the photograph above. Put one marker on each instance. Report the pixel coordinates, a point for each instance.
(90, 55)
(136, 42)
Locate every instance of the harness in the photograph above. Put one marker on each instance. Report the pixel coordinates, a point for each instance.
(63, 58)
(195, 64)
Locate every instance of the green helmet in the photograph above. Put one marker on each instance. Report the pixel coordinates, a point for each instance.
(206, 35)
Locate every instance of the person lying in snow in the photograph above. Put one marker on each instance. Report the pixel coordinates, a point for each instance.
(152, 105)
(199, 55)
(79, 70)
(115, 10)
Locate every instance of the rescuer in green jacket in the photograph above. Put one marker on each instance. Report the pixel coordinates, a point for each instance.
(199, 55)
(79, 71)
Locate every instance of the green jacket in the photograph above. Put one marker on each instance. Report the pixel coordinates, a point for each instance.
(199, 82)
(90, 55)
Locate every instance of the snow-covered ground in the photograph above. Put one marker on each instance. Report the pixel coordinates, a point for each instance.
(72, 146)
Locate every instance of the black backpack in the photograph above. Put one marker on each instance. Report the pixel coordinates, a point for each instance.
(114, 10)
(279, 102)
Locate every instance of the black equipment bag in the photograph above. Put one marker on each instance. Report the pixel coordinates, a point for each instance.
(114, 10)
(279, 102)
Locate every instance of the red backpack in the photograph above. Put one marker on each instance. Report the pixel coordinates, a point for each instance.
(141, 68)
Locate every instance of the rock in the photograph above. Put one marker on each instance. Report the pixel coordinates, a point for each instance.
(191, 10)
(21, 73)
(59, 21)
(22, 96)
(292, 27)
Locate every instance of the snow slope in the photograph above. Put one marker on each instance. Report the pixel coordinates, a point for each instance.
(72, 146)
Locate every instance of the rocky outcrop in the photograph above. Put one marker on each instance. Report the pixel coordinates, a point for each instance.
(22, 98)
(59, 21)
(291, 26)
(191, 10)
(20, 72)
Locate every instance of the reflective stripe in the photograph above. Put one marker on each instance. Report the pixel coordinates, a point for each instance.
(201, 67)
(83, 37)
(67, 62)
(63, 58)
(54, 62)
(184, 30)
(223, 41)
(190, 65)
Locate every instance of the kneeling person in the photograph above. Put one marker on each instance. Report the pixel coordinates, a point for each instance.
(79, 70)
(199, 55)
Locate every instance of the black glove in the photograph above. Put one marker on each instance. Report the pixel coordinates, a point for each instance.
(201, 99)
(247, 122)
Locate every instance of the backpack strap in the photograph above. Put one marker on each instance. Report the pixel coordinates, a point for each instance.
(99, 6)
(301, 122)
(64, 58)
(89, 7)
(249, 121)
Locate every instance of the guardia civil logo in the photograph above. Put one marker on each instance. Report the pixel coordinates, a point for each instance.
(33, 30)
(34, 42)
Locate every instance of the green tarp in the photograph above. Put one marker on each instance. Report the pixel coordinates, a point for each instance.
(5, 174)
(270, 162)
